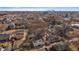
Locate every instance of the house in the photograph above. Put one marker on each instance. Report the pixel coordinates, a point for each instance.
(38, 43)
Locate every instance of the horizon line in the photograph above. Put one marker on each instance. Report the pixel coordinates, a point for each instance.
(39, 8)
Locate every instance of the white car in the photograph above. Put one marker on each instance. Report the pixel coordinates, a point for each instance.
(74, 24)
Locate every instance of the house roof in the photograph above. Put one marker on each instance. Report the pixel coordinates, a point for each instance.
(4, 37)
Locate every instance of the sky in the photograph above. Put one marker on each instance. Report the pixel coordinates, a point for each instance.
(39, 5)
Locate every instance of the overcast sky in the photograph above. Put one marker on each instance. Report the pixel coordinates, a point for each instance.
(39, 3)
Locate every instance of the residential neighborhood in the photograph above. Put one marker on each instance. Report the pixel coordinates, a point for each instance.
(39, 31)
